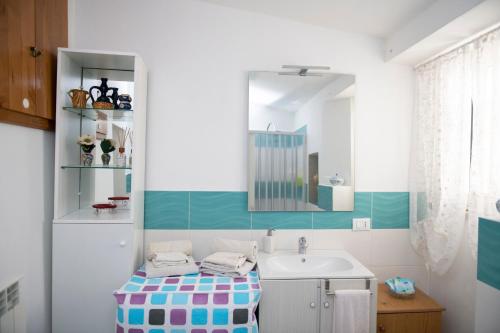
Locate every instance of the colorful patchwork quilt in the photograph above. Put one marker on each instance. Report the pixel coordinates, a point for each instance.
(193, 303)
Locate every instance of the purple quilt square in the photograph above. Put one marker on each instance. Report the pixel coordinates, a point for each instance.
(135, 330)
(187, 288)
(255, 286)
(221, 298)
(150, 288)
(206, 274)
(119, 329)
(222, 287)
(139, 273)
(178, 317)
(120, 298)
(172, 281)
(199, 330)
(138, 299)
(219, 331)
(239, 280)
(200, 298)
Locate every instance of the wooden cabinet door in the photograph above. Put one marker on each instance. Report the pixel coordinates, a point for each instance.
(51, 33)
(17, 65)
(289, 306)
(424, 322)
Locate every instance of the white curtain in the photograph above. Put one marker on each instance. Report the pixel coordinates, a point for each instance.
(455, 163)
(485, 157)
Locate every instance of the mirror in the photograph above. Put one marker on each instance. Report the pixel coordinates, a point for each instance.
(300, 146)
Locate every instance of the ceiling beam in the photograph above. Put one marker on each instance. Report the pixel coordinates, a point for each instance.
(422, 26)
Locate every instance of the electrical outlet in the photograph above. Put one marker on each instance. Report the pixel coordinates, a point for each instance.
(361, 224)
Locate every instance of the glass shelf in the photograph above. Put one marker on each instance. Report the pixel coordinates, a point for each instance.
(102, 114)
(97, 166)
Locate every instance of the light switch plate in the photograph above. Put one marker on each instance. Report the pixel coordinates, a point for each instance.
(361, 224)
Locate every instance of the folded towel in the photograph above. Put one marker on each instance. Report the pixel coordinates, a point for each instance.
(351, 311)
(229, 260)
(184, 246)
(224, 271)
(169, 270)
(247, 248)
(172, 257)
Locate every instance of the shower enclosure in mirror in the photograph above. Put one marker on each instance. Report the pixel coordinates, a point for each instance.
(300, 153)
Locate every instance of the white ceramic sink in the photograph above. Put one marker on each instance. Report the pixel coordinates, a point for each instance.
(315, 264)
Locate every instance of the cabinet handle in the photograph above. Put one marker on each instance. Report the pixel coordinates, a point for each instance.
(326, 305)
(312, 305)
(123, 243)
(35, 52)
(381, 328)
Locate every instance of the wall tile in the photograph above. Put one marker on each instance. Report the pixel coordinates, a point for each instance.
(282, 220)
(343, 220)
(219, 210)
(390, 210)
(488, 264)
(166, 210)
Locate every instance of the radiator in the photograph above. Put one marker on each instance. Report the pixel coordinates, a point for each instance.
(11, 312)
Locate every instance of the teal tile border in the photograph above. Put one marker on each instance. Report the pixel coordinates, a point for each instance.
(488, 248)
(212, 210)
(166, 210)
(325, 197)
(219, 210)
(391, 210)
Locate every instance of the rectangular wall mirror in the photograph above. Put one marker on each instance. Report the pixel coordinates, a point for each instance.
(300, 142)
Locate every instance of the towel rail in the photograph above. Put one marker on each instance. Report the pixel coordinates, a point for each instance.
(331, 291)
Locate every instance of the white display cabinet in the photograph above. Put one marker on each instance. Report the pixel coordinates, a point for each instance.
(94, 252)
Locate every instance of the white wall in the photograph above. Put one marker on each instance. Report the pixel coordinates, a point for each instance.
(456, 291)
(26, 209)
(199, 55)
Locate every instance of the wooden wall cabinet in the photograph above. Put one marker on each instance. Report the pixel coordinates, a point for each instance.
(30, 33)
(420, 314)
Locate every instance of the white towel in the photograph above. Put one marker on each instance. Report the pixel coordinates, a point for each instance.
(171, 257)
(184, 246)
(247, 248)
(224, 271)
(170, 270)
(231, 260)
(351, 312)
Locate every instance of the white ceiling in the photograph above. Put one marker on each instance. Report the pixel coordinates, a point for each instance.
(377, 18)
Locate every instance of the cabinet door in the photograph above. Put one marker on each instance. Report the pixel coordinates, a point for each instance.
(289, 306)
(17, 65)
(90, 261)
(424, 322)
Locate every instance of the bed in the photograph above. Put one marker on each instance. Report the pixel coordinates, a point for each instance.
(193, 303)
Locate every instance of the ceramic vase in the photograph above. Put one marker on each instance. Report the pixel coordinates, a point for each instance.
(87, 159)
(105, 159)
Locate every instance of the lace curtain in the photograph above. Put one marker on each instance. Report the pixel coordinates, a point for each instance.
(446, 180)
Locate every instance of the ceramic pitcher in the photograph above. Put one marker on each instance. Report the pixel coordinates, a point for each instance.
(79, 97)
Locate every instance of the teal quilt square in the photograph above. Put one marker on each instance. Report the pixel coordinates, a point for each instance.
(199, 316)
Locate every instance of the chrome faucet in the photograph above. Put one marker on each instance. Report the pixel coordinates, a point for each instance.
(302, 245)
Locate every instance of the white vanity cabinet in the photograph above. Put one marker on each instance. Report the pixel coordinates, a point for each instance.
(306, 305)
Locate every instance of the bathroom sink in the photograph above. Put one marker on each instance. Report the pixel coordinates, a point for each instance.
(315, 264)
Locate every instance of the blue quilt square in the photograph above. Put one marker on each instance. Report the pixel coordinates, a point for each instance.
(154, 281)
(178, 331)
(206, 280)
(241, 286)
(157, 330)
(169, 288)
(189, 281)
(221, 316)
(136, 316)
(240, 330)
(179, 299)
(120, 315)
(132, 287)
(241, 298)
(157, 299)
(256, 296)
(199, 316)
(137, 279)
(224, 280)
(206, 287)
